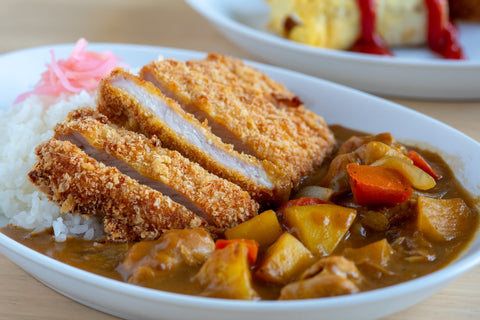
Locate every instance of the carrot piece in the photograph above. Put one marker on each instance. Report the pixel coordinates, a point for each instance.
(377, 185)
(304, 201)
(420, 162)
(252, 246)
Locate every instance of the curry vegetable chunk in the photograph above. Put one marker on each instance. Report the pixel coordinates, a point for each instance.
(378, 252)
(416, 176)
(366, 152)
(284, 260)
(319, 226)
(226, 274)
(442, 219)
(265, 235)
(373, 259)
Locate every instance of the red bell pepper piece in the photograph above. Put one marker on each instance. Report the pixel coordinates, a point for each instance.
(420, 162)
(304, 201)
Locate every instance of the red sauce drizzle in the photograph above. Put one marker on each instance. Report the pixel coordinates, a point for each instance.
(369, 40)
(442, 34)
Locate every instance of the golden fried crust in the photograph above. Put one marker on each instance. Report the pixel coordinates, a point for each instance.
(259, 112)
(225, 203)
(80, 184)
(123, 109)
(258, 83)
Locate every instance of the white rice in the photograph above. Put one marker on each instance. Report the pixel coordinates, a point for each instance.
(22, 127)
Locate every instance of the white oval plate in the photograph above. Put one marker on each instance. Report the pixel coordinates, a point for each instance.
(413, 73)
(339, 105)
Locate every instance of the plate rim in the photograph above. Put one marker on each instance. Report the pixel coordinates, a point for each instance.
(402, 77)
(9, 246)
(202, 6)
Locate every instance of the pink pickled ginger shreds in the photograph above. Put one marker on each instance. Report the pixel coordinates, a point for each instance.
(82, 70)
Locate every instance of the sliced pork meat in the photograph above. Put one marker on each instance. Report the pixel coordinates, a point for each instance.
(220, 202)
(139, 106)
(82, 185)
(247, 109)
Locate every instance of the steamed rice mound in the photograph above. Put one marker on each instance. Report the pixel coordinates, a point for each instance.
(23, 126)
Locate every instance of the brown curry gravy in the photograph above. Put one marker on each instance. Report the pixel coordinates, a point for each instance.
(103, 258)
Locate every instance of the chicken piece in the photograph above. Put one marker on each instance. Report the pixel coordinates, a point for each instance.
(220, 202)
(247, 109)
(158, 259)
(325, 285)
(80, 184)
(226, 274)
(329, 276)
(336, 265)
(139, 106)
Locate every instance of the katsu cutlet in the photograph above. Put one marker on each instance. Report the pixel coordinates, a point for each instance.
(220, 202)
(259, 84)
(139, 106)
(82, 185)
(247, 109)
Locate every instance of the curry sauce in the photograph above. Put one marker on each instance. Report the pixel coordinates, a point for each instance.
(413, 254)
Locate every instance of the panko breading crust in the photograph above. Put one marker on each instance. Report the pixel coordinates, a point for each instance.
(225, 203)
(259, 112)
(80, 184)
(123, 109)
(258, 83)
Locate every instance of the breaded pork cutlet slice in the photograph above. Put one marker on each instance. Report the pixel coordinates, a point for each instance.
(256, 83)
(247, 109)
(80, 184)
(138, 105)
(220, 202)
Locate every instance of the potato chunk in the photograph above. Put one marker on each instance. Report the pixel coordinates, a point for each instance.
(264, 229)
(442, 219)
(372, 259)
(226, 274)
(379, 252)
(320, 227)
(284, 260)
